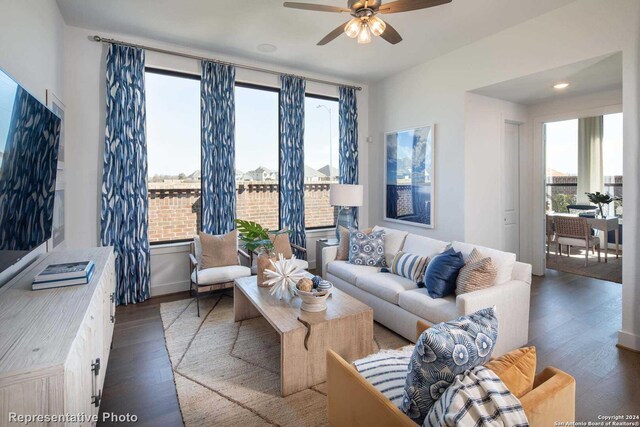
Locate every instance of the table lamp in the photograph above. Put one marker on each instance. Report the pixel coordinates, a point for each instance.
(347, 197)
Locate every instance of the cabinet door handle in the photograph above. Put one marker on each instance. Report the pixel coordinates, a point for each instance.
(112, 314)
(96, 398)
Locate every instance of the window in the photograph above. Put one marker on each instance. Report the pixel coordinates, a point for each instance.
(321, 153)
(257, 155)
(562, 164)
(173, 155)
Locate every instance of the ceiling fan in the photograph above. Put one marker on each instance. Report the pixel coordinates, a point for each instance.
(365, 21)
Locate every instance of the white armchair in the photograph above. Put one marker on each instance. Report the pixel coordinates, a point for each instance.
(213, 279)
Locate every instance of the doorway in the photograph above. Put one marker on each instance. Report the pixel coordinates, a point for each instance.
(583, 196)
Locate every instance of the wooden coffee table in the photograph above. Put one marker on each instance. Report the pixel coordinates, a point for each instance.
(346, 327)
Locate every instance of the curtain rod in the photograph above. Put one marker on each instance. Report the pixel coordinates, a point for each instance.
(202, 58)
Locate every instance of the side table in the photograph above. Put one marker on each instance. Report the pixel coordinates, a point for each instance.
(322, 243)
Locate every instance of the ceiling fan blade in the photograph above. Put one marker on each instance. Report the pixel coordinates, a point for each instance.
(332, 35)
(391, 35)
(315, 7)
(408, 5)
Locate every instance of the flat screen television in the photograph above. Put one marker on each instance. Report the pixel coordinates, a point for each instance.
(29, 137)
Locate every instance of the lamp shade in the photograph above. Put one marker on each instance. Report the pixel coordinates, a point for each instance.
(346, 195)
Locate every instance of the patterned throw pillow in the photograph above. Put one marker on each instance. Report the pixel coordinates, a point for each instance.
(444, 351)
(367, 249)
(343, 246)
(478, 273)
(409, 266)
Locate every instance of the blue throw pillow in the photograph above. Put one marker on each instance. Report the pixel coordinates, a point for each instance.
(442, 273)
(367, 249)
(443, 352)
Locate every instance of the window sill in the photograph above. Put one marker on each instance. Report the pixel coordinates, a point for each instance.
(170, 248)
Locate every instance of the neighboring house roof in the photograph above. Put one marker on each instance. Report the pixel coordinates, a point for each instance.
(195, 175)
(310, 172)
(262, 169)
(325, 170)
(553, 172)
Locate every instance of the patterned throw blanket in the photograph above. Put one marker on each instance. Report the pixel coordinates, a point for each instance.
(477, 398)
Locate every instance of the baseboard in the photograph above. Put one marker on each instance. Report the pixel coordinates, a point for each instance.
(168, 288)
(628, 341)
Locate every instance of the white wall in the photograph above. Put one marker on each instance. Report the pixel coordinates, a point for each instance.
(85, 83)
(434, 92)
(484, 124)
(31, 51)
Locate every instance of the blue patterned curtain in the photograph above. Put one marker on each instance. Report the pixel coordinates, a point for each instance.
(124, 216)
(28, 174)
(217, 109)
(349, 139)
(292, 158)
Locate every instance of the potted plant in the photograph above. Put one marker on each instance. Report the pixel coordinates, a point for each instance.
(256, 239)
(600, 199)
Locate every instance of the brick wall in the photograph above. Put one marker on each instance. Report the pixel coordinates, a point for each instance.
(174, 207)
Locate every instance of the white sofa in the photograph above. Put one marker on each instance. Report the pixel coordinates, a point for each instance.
(398, 303)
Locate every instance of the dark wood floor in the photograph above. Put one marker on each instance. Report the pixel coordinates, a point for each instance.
(573, 323)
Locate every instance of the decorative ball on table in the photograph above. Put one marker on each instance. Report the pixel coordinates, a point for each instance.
(305, 284)
(316, 281)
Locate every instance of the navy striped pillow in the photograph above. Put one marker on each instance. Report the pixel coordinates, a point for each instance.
(409, 265)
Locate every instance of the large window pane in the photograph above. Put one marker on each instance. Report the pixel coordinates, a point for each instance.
(173, 146)
(561, 164)
(321, 141)
(612, 159)
(257, 156)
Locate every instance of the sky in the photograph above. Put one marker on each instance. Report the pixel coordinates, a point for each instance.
(173, 127)
(562, 145)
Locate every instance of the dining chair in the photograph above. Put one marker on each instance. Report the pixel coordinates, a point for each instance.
(551, 233)
(575, 231)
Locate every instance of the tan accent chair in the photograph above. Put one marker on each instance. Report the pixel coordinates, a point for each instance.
(213, 279)
(575, 231)
(353, 401)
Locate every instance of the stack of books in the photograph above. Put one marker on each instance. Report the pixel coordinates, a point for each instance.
(59, 275)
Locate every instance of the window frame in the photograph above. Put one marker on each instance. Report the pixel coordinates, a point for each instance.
(247, 85)
(336, 99)
(184, 75)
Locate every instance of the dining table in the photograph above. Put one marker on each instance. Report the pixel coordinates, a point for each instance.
(601, 224)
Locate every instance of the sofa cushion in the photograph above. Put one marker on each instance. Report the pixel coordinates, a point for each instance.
(503, 261)
(393, 241)
(435, 310)
(367, 249)
(516, 369)
(409, 265)
(424, 246)
(343, 246)
(387, 371)
(442, 272)
(212, 276)
(386, 286)
(444, 351)
(477, 273)
(350, 272)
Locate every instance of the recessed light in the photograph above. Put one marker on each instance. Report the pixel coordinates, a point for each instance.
(267, 48)
(561, 86)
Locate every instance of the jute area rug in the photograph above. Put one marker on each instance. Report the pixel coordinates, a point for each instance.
(227, 373)
(610, 271)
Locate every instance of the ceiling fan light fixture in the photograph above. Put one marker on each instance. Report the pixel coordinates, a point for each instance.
(377, 25)
(364, 37)
(352, 29)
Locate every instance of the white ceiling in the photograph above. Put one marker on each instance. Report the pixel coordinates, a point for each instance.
(236, 27)
(584, 77)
